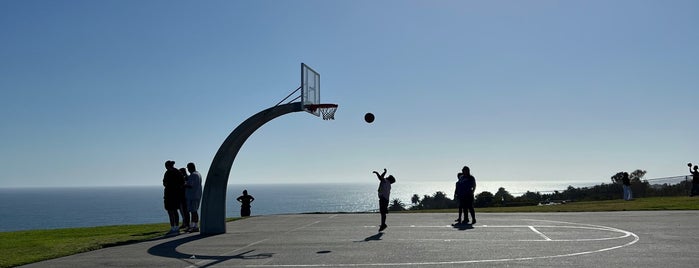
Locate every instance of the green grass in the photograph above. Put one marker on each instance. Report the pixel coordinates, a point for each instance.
(24, 247)
(651, 203)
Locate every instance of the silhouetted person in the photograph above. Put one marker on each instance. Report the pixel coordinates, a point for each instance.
(466, 199)
(695, 179)
(627, 186)
(173, 182)
(461, 194)
(183, 202)
(193, 195)
(245, 201)
(384, 195)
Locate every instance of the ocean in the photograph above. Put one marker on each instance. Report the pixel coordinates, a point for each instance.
(51, 208)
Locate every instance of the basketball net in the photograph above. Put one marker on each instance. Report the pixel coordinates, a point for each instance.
(327, 111)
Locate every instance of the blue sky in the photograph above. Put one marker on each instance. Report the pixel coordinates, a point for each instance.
(100, 93)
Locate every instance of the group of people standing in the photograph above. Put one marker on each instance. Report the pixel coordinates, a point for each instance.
(182, 194)
(464, 193)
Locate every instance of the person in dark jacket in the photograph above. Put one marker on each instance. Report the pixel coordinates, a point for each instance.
(173, 181)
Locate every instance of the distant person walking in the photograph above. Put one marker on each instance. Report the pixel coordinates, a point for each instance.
(384, 195)
(245, 201)
(467, 183)
(627, 186)
(173, 182)
(183, 202)
(695, 179)
(193, 196)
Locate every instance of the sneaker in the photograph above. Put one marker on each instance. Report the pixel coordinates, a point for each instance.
(473, 222)
(383, 227)
(193, 230)
(173, 232)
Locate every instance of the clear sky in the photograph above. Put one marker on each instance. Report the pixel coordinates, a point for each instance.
(100, 93)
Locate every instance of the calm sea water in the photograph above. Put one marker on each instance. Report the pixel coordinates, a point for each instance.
(50, 208)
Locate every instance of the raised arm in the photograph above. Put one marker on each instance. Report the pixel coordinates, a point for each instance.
(382, 174)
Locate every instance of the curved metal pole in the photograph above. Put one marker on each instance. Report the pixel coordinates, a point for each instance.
(213, 206)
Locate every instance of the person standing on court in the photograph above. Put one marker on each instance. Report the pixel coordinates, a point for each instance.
(469, 185)
(183, 202)
(384, 195)
(695, 179)
(626, 183)
(193, 195)
(459, 192)
(173, 181)
(245, 201)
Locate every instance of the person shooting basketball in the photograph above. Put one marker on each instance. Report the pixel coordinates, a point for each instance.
(384, 195)
(695, 179)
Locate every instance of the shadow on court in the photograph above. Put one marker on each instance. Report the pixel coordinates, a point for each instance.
(169, 250)
(462, 226)
(376, 237)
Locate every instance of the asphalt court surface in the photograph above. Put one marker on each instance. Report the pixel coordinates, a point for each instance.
(619, 239)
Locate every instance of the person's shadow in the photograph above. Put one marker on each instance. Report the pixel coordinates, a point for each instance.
(462, 226)
(376, 237)
(169, 250)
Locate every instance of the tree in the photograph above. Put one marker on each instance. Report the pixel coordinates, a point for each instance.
(396, 205)
(637, 175)
(437, 201)
(484, 199)
(415, 199)
(441, 201)
(638, 187)
(503, 196)
(616, 178)
(529, 197)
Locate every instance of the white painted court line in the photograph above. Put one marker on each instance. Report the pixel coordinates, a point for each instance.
(204, 262)
(539, 233)
(299, 228)
(570, 225)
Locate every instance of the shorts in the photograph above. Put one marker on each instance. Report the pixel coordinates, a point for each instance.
(193, 205)
(383, 205)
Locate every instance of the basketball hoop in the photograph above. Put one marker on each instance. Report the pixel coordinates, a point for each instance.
(327, 110)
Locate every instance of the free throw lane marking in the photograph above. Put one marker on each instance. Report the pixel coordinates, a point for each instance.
(539, 233)
(569, 225)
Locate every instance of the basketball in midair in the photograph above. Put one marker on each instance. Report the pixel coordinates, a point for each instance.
(369, 117)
